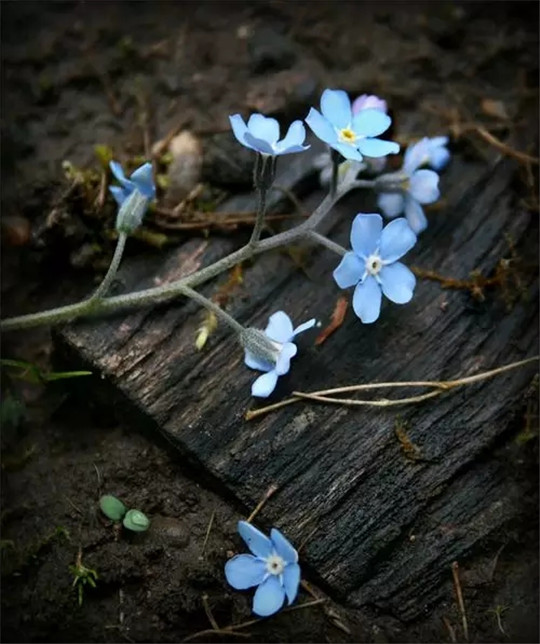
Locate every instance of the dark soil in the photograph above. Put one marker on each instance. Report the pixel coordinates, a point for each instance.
(124, 73)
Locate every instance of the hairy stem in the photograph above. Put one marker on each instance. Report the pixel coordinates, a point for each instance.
(113, 268)
(259, 219)
(324, 241)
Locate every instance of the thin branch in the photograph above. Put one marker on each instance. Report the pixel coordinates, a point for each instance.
(328, 243)
(113, 268)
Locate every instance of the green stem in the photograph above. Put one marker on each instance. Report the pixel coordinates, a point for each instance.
(113, 268)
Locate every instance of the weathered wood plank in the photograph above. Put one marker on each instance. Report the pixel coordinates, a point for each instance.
(341, 471)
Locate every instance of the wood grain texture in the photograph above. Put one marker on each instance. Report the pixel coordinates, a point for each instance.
(342, 476)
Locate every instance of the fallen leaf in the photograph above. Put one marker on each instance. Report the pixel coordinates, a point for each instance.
(337, 320)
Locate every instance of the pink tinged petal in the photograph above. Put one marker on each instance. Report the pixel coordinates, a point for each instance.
(415, 215)
(367, 101)
(370, 122)
(280, 327)
(269, 597)
(322, 128)
(367, 300)
(260, 145)
(350, 270)
(304, 327)
(263, 128)
(397, 238)
(391, 203)
(377, 147)
(348, 150)
(245, 571)
(264, 385)
(365, 234)
(397, 282)
(254, 363)
(143, 178)
(283, 546)
(295, 136)
(239, 129)
(336, 107)
(291, 581)
(424, 186)
(284, 359)
(259, 544)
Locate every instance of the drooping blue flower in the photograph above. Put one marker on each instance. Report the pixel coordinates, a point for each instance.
(133, 195)
(262, 135)
(281, 332)
(369, 101)
(351, 135)
(406, 190)
(372, 265)
(273, 568)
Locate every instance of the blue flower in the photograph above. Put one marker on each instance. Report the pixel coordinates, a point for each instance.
(372, 265)
(351, 135)
(132, 195)
(273, 567)
(406, 190)
(262, 133)
(281, 333)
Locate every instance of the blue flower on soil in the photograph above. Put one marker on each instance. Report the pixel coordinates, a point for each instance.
(281, 332)
(132, 195)
(409, 188)
(351, 135)
(141, 180)
(372, 265)
(262, 133)
(273, 568)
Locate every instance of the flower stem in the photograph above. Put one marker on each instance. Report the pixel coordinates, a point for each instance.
(113, 268)
(336, 158)
(324, 241)
(212, 306)
(259, 219)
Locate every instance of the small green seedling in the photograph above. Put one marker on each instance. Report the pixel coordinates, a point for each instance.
(136, 521)
(82, 576)
(112, 507)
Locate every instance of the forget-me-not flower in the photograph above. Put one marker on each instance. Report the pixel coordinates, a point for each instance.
(369, 101)
(273, 567)
(132, 195)
(372, 265)
(406, 190)
(281, 333)
(262, 133)
(351, 135)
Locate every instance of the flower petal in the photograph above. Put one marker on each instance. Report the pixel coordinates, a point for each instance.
(439, 157)
(425, 186)
(262, 127)
(269, 597)
(143, 178)
(279, 327)
(245, 571)
(120, 194)
(260, 145)
(397, 238)
(367, 300)
(259, 544)
(264, 385)
(291, 581)
(371, 122)
(254, 363)
(347, 150)
(239, 129)
(283, 363)
(415, 215)
(397, 282)
(283, 547)
(321, 127)
(292, 149)
(416, 155)
(377, 147)
(336, 107)
(296, 135)
(349, 271)
(391, 203)
(366, 101)
(118, 172)
(304, 327)
(365, 233)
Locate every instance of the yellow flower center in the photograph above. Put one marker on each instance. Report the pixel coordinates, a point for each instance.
(346, 135)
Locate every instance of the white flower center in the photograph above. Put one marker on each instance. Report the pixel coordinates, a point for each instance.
(275, 565)
(374, 264)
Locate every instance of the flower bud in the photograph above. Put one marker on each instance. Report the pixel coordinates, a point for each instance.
(131, 212)
(259, 345)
